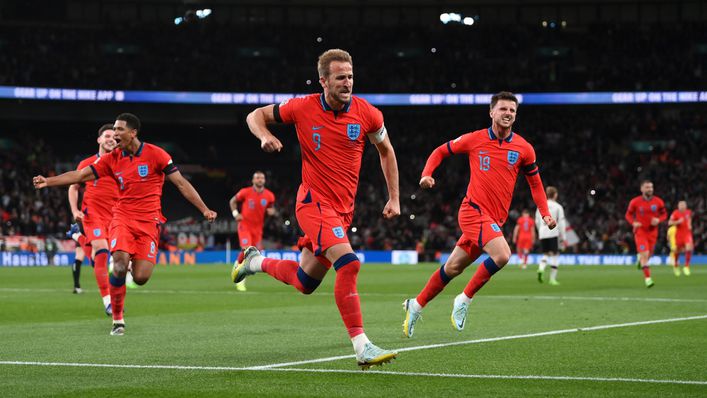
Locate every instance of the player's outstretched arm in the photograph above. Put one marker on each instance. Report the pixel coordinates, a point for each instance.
(187, 190)
(433, 161)
(68, 178)
(389, 165)
(258, 121)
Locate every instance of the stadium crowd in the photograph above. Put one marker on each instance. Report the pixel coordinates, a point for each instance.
(596, 156)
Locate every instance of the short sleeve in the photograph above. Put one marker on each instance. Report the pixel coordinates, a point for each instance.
(164, 162)
(462, 144)
(103, 166)
(528, 163)
(240, 195)
(286, 111)
(375, 119)
(271, 200)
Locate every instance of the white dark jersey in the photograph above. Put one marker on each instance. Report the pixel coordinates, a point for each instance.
(558, 213)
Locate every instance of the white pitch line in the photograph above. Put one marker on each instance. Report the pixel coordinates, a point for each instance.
(506, 377)
(401, 295)
(358, 372)
(488, 340)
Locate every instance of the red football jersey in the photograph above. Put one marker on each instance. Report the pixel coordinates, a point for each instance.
(140, 178)
(254, 205)
(684, 227)
(527, 225)
(494, 166)
(643, 210)
(332, 144)
(99, 195)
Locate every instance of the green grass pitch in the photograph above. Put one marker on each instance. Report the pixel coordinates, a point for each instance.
(190, 333)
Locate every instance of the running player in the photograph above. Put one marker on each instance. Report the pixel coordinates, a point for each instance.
(524, 237)
(551, 240)
(255, 201)
(496, 156)
(682, 219)
(332, 128)
(96, 212)
(81, 252)
(644, 214)
(140, 170)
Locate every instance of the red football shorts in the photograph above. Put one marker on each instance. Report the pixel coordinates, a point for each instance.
(323, 226)
(249, 236)
(682, 240)
(137, 238)
(645, 241)
(85, 246)
(477, 228)
(524, 243)
(96, 228)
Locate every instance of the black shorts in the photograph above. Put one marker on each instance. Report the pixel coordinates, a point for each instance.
(549, 245)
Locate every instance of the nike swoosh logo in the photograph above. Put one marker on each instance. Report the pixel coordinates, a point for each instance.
(483, 152)
(317, 127)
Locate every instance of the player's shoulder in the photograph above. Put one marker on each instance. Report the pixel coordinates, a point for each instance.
(520, 140)
(88, 161)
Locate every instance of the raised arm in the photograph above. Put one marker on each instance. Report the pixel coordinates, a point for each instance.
(389, 165)
(258, 121)
(187, 190)
(68, 178)
(433, 161)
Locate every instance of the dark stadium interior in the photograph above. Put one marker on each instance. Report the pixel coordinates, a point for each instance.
(132, 45)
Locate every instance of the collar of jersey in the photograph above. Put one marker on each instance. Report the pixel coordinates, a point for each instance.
(138, 153)
(326, 106)
(492, 136)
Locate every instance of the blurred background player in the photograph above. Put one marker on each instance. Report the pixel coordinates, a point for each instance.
(496, 156)
(524, 237)
(255, 201)
(551, 240)
(681, 219)
(96, 212)
(644, 213)
(82, 251)
(140, 169)
(332, 129)
(670, 236)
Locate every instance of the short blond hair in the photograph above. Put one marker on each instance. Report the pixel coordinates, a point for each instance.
(551, 192)
(330, 56)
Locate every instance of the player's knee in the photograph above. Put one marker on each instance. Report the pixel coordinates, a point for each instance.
(502, 258)
(140, 280)
(453, 268)
(120, 267)
(348, 263)
(308, 284)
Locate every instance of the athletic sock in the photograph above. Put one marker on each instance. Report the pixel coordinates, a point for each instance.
(554, 265)
(290, 273)
(676, 257)
(646, 271)
(117, 296)
(346, 295)
(359, 343)
(462, 298)
(688, 257)
(481, 276)
(438, 280)
(100, 271)
(76, 273)
(542, 264)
